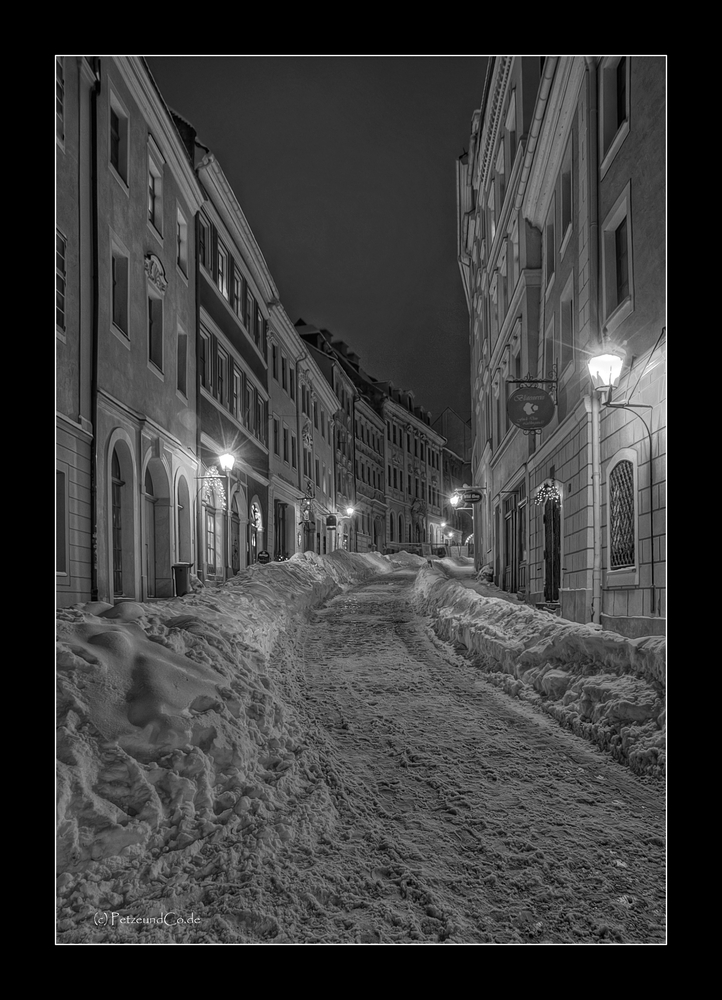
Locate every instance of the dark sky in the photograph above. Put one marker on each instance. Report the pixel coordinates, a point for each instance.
(345, 169)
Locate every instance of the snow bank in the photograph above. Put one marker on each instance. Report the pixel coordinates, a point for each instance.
(603, 686)
(406, 560)
(170, 729)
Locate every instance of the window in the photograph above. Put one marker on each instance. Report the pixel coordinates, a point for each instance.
(182, 363)
(617, 272)
(276, 436)
(210, 541)
(248, 410)
(61, 536)
(182, 242)
(119, 288)
(294, 451)
(285, 445)
(622, 519)
(238, 298)
(511, 129)
(204, 244)
(222, 376)
(250, 310)
(222, 270)
(118, 138)
(567, 325)
(550, 348)
(205, 359)
(549, 247)
(284, 373)
(291, 383)
(155, 190)
(236, 393)
(566, 197)
(274, 361)
(59, 98)
(155, 331)
(613, 106)
(61, 278)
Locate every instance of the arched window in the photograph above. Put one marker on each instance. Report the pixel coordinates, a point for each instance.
(622, 516)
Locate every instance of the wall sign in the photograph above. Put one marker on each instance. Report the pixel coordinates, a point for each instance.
(530, 408)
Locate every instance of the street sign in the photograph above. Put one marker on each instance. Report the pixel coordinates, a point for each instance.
(530, 408)
(264, 557)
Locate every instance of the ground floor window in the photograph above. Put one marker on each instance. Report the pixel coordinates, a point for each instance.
(622, 549)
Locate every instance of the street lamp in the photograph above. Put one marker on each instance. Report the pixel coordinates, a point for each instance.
(605, 369)
(227, 461)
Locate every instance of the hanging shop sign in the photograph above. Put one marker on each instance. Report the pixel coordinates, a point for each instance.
(530, 408)
(264, 557)
(331, 522)
(471, 496)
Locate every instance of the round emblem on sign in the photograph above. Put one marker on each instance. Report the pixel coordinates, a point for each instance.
(530, 408)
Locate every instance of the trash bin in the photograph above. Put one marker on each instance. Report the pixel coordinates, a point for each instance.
(182, 578)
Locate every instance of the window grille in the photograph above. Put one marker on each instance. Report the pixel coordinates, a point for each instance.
(621, 515)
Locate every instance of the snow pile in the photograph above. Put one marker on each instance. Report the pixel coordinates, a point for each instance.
(603, 686)
(406, 560)
(170, 729)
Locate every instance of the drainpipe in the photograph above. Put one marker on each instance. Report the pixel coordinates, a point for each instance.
(593, 182)
(596, 513)
(95, 321)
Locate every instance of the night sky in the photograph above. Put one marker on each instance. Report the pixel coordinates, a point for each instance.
(345, 169)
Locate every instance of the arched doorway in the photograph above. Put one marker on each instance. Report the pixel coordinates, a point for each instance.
(235, 536)
(214, 502)
(255, 531)
(121, 562)
(185, 548)
(156, 566)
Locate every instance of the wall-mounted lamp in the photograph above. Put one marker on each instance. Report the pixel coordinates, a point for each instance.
(605, 369)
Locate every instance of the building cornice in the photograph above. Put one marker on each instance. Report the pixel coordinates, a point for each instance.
(492, 119)
(140, 82)
(224, 200)
(554, 117)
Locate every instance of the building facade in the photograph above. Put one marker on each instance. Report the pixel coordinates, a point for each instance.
(320, 350)
(413, 473)
(134, 385)
(561, 250)
(77, 82)
(371, 511)
(235, 288)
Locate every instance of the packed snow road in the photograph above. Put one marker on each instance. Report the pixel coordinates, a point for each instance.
(461, 815)
(363, 784)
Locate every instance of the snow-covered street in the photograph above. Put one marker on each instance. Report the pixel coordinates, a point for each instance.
(383, 789)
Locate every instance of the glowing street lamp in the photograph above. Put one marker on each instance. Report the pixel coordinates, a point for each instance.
(605, 369)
